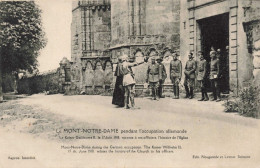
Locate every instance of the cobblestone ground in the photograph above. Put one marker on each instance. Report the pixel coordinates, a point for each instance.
(29, 126)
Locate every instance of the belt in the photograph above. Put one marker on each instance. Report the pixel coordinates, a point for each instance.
(154, 73)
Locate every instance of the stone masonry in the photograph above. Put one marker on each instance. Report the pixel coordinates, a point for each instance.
(102, 30)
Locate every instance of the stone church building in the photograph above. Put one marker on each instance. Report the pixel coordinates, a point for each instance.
(102, 30)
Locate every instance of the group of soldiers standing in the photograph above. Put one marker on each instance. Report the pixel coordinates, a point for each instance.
(156, 75)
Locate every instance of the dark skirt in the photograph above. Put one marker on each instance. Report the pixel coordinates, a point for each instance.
(118, 95)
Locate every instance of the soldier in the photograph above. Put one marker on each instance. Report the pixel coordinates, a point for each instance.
(214, 76)
(128, 80)
(175, 74)
(202, 64)
(162, 77)
(153, 77)
(189, 80)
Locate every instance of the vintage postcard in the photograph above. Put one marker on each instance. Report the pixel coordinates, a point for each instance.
(130, 84)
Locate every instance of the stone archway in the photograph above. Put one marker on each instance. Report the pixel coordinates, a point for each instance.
(98, 78)
(108, 74)
(89, 76)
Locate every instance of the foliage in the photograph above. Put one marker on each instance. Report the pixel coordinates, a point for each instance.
(247, 103)
(39, 83)
(21, 35)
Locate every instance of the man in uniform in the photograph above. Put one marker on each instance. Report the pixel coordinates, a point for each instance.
(189, 81)
(153, 77)
(175, 74)
(214, 76)
(201, 77)
(128, 80)
(162, 76)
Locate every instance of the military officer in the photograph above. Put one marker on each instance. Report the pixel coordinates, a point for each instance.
(153, 77)
(201, 77)
(214, 76)
(128, 80)
(162, 76)
(175, 74)
(189, 80)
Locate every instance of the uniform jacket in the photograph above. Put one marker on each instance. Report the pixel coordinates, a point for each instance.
(190, 69)
(214, 69)
(202, 68)
(162, 72)
(153, 73)
(176, 69)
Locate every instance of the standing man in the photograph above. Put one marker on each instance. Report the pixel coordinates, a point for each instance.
(175, 74)
(214, 76)
(162, 76)
(128, 80)
(153, 78)
(189, 81)
(202, 69)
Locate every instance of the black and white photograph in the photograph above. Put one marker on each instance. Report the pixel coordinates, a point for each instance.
(129, 83)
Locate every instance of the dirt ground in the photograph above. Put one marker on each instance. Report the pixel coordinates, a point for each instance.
(34, 126)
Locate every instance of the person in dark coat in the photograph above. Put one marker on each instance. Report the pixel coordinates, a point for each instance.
(162, 77)
(201, 77)
(189, 80)
(118, 95)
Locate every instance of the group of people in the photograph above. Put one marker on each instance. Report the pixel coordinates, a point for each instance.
(156, 74)
(201, 68)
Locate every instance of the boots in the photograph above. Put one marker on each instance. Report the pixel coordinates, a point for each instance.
(177, 92)
(133, 103)
(202, 95)
(126, 102)
(218, 95)
(160, 91)
(206, 96)
(153, 94)
(214, 95)
(174, 92)
(156, 96)
(191, 93)
(187, 91)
